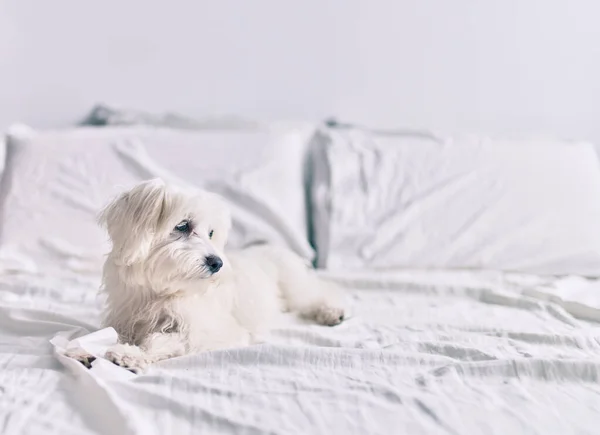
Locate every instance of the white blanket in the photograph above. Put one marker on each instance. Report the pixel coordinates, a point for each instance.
(422, 352)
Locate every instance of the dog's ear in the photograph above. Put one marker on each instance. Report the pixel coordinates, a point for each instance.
(133, 218)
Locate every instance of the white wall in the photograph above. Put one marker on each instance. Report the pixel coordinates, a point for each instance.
(484, 65)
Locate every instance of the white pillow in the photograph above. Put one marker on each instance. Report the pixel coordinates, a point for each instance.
(386, 202)
(59, 180)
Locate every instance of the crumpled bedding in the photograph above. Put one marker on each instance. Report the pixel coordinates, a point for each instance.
(421, 353)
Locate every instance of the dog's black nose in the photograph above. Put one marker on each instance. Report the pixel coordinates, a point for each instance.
(213, 263)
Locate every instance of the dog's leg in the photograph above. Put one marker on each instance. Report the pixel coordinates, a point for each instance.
(315, 299)
(82, 356)
(306, 294)
(156, 347)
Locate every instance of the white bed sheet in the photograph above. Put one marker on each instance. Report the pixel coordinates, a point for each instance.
(422, 352)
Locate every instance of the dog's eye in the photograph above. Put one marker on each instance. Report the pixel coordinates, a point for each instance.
(210, 234)
(183, 227)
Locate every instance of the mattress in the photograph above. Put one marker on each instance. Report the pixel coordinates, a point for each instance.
(422, 353)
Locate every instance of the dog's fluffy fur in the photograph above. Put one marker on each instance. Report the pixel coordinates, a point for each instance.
(165, 296)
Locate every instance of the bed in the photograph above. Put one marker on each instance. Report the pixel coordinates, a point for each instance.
(450, 352)
(480, 340)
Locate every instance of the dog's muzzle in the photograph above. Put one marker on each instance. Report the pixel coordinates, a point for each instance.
(213, 263)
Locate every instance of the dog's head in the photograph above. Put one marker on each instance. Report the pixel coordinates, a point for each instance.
(168, 235)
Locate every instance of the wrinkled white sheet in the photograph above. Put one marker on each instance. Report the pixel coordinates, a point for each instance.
(422, 352)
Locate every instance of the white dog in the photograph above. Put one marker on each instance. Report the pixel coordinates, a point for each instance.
(171, 289)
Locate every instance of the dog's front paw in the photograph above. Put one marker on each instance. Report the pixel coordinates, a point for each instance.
(82, 356)
(129, 357)
(329, 316)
